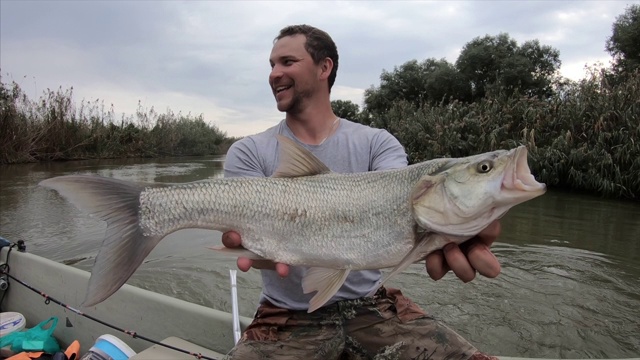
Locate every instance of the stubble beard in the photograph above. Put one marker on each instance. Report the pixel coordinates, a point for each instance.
(296, 105)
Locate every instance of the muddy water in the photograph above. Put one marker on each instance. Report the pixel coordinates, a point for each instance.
(570, 284)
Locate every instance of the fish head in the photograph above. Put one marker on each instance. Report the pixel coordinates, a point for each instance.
(467, 194)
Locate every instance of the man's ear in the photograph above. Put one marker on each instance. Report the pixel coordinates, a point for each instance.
(325, 68)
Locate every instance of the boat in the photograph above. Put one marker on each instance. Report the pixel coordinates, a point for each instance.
(177, 323)
(182, 330)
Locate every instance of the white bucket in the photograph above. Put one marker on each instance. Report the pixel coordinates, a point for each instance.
(109, 347)
(10, 322)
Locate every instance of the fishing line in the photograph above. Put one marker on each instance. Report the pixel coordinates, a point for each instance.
(4, 270)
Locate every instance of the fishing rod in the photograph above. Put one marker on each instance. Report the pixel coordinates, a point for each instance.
(4, 270)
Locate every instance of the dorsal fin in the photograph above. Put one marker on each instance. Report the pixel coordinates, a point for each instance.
(297, 161)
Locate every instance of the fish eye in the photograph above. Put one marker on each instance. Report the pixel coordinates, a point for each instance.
(485, 166)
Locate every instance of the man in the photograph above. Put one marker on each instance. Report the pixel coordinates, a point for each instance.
(304, 63)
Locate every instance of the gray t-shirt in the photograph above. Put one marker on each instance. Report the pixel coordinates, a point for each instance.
(352, 148)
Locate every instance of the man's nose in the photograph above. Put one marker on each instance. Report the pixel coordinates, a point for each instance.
(276, 73)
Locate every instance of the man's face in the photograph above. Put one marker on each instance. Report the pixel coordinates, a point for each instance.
(294, 77)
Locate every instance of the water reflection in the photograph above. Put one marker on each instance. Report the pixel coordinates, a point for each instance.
(570, 285)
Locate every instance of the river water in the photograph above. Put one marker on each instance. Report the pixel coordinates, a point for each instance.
(570, 284)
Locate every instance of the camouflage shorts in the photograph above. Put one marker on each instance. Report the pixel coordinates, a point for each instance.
(385, 326)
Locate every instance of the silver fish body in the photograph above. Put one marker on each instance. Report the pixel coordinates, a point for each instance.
(354, 221)
(306, 215)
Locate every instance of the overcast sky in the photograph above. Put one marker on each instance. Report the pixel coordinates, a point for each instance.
(211, 57)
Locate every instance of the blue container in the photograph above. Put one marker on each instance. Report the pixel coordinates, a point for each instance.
(109, 347)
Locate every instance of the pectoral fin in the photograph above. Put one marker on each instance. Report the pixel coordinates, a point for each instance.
(423, 246)
(424, 188)
(325, 281)
(428, 200)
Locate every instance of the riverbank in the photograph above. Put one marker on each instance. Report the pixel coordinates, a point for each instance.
(55, 128)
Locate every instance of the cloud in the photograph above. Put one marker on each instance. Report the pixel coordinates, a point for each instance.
(211, 58)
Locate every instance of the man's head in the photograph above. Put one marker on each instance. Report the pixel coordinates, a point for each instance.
(319, 45)
(304, 62)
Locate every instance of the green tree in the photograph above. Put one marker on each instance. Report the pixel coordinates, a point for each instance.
(498, 62)
(490, 63)
(346, 109)
(430, 82)
(624, 43)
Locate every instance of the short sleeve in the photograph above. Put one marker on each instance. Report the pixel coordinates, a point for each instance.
(387, 152)
(242, 160)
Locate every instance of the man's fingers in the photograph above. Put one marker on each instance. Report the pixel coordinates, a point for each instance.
(436, 266)
(231, 239)
(282, 269)
(483, 260)
(490, 233)
(464, 260)
(244, 264)
(458, 262)
(479, 254)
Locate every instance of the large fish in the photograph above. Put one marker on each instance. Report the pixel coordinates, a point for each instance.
(306, 215)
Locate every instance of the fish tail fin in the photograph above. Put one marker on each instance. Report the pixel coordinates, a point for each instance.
(125, 245)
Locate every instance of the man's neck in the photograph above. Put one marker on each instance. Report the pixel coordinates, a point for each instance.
(313, 125)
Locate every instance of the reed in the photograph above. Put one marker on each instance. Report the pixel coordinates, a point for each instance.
(55, 128)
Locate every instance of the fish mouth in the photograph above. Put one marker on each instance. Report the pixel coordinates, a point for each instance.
(518, 174)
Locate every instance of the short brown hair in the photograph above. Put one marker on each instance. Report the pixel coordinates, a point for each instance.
(319, 45)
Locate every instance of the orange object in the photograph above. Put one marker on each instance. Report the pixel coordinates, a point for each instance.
(26, 355)
(73, 351)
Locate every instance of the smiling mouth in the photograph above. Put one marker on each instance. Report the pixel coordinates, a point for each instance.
(280, 89)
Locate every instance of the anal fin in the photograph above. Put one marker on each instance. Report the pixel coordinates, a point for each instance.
(325, 281)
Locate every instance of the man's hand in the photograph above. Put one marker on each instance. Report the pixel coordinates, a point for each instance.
(231, 239)
(473, 255)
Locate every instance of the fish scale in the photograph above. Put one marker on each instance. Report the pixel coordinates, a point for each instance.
(327, 206)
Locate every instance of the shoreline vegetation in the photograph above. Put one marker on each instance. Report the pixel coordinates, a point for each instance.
(584, 138)
(55, 128)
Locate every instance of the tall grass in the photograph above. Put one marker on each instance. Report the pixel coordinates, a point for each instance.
(55, 128)
(585, 138)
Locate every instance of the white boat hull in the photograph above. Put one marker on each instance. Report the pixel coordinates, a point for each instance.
(150, 314)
